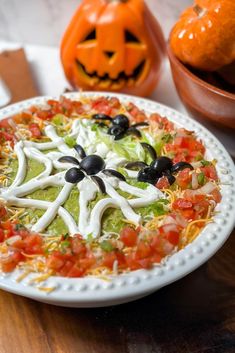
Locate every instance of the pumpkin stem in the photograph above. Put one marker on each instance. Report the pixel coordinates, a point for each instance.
(199, 10)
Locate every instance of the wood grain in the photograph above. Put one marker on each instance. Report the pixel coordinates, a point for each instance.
(193, 315)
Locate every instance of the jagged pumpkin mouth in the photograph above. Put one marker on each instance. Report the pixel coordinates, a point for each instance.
(121, 79)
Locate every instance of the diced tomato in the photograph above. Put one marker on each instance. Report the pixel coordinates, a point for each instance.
(53, 102)
(54, 262)
(145, 263)
(109, 259)
(23, 232)
(4, 124)
(9, 263)
(138, 115)
(163, 122)
(33, 244)
(2, 235)
(3, 212)
(156, 257)
(6, 136)
(44, 114)
(132, 263)
(188, 214)
(199, 205)
(129, 236)
(210, 172)
(23, 117)
(76, 271)
(143, 250)
(216, 195)
(79, 268)
(35, 130)
(185, 147)
(173, 237)
(183, 179)
(78, 247)
(182, 204)
(87, 262)
(170, 232)
(156, 243)
(101, 105)
(8, 227)
(78, 107)
(162, 183)
(114, 103)
(66, 268)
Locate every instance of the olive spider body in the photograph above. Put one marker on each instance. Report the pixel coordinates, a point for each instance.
(89, 165)
(159, 167)
(120, 125)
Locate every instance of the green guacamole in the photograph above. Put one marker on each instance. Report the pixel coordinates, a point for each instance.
(112, 220)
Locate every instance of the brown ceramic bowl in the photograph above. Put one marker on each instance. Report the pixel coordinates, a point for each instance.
(202, 99)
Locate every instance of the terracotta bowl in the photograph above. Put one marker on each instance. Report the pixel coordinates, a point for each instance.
(202, 99)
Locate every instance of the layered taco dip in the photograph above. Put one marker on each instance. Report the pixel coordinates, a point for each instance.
(97, 187)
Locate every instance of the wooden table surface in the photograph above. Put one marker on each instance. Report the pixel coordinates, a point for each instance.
(193, 315)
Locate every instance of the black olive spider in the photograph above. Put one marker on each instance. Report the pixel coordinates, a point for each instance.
(120, 125)
(159, 167)
(89, 165)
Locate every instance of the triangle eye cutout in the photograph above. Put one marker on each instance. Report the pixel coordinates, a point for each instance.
(91, 36)
(109, 54)
(130, 37)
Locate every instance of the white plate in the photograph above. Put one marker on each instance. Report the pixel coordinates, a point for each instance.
(93, 292)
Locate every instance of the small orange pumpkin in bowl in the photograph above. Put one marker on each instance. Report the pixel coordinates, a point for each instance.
(114, 45)
(204, 36)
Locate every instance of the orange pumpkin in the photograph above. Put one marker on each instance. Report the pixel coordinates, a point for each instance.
(113, 45)
(204, 36)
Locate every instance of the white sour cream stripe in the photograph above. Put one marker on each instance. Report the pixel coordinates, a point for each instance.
(44, 205)
(38, 156)
(89, 220)
(21, 172)
(52, 210)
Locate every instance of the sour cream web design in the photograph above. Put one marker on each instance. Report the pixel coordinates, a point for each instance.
(49, 153)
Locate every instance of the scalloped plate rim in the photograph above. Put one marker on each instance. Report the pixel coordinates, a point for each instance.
(94, 292)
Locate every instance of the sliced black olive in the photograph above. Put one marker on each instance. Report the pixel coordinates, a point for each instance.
(117, 131)
(148, 175)
(140, 124)
(180, 166)
(111, 172)
(68, 159)
(101, 117)
(92, 164)
(135, 165)
(149, 149)
(133, 131)
(99, 182)
(74, 175)
(121, 120)
(161, 164)
(171, 179)
(80, 151)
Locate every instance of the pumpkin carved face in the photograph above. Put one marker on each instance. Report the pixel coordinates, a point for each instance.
(204, 36)
(109, 46)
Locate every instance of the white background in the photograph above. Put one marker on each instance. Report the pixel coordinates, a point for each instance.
(43, 21)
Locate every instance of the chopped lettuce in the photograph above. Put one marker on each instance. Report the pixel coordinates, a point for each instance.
(70, 141)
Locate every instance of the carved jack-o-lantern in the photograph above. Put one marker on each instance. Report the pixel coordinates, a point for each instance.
(114, 45)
